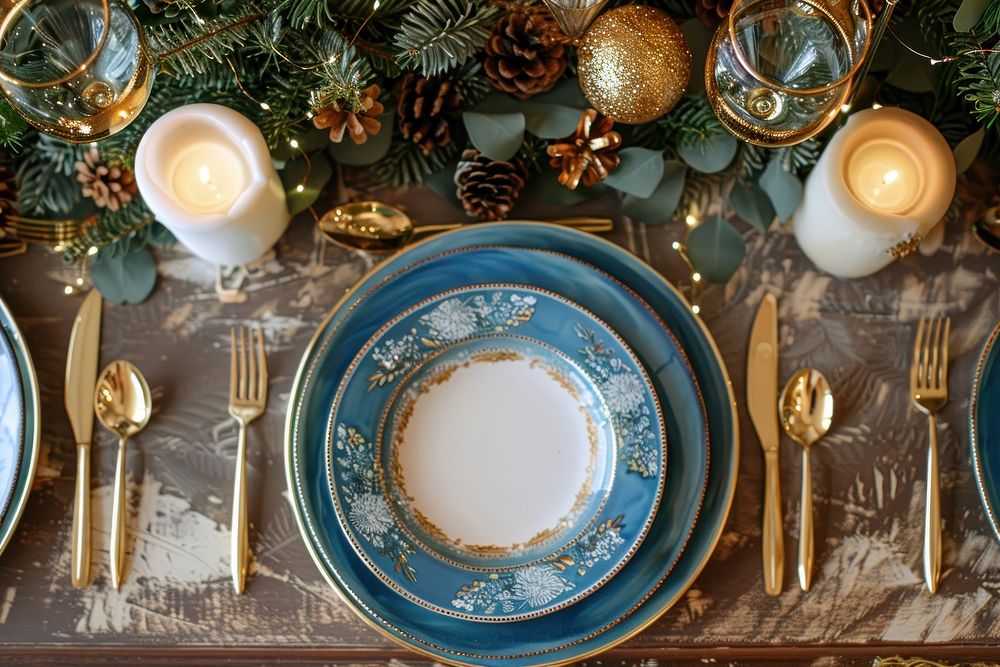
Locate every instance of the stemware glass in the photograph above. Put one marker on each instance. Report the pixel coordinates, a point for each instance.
(76, 69)
(779, 71)
(575, 16)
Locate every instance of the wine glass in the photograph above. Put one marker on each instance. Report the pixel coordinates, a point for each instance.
(575, 16)
(79, 70)
(779, 71)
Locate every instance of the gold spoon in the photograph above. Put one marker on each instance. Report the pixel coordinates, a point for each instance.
(122, 403)
(380, 228)
(806, 409)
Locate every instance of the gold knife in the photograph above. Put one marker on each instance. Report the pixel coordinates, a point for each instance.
(762, 403)
(81, 376)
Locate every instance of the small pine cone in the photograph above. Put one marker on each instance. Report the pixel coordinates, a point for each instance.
(110, 186)
(526, 54)
(359, 123)
(424, 106)
(488, 188)
(587, 155)
(8, 192)
(712, 12)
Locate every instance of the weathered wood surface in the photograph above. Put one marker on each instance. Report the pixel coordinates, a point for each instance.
(867, 595)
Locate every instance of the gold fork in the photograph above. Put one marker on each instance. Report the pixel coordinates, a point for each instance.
(929, 388)
(247, 399)
(55, 233)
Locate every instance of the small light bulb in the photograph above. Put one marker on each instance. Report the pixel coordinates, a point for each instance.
(300, 188)
(696, 277)
(92, 250)
(695, 309)
(876, 105)
(845, 108)
(79, 281)
(265, 106)
(68, 289)
(675, 245)
(294, 143)
(691, 220)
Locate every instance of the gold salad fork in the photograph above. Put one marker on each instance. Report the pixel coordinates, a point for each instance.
(247, 399)
(929, 389)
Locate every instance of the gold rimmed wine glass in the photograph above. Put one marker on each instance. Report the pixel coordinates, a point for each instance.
(779, 71)
(79, 70)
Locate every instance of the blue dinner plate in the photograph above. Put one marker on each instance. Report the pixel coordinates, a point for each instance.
(589, 516)
(662, 568)
(984, 423)
(18, 425)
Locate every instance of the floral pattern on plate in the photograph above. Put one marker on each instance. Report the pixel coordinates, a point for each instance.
(538, 585)
(450, 321)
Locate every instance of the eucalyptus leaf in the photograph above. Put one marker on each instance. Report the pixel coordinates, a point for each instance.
(715, 249)
(968, 14)
(311, 175)
(443, 182)
(659, 207)
(967, 150)
(498, 136)
(550, 121)
(711, 155)
(752, 205)
(699, 37)
(127, 277)
(546, 187)
(374, 149)
(566, 93)
(638, 173)
(783, 188)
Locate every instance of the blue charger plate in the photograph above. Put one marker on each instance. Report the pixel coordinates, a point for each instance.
(659, 572)
(19, 425)
(984, 425)
(581, 550)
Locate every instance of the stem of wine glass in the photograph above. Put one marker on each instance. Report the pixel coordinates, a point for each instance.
(878, 31)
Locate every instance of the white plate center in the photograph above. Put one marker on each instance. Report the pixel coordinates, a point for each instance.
(496, 454)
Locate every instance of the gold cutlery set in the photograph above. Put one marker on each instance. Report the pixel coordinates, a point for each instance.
(122, 402)
(805, 412)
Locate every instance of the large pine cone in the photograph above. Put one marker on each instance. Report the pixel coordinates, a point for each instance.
(488, 188)
(526, 54)
(712, 12)
(423, 109)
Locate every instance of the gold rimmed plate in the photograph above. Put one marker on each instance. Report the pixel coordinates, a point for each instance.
(496, 452)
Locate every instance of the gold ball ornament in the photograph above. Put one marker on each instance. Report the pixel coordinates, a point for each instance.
(634, 64)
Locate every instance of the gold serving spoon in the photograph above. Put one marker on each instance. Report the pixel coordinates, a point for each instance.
(806, 409)
(122, 403)
(377, 227)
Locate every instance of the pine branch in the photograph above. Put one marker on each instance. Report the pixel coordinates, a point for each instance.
(192, 45)
(407, 165)
(689, 123)
(113, 229)
(12, 127)
(436, 35)
(978, 79)
(44, 175)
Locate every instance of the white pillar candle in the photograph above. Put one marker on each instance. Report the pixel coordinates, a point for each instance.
(883, 182)
(206, 173)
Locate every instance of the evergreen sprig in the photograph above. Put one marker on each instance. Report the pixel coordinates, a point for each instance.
(436, 35)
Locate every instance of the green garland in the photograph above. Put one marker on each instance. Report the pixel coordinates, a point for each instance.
(281, 61)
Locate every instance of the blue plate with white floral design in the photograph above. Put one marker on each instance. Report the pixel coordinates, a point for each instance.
(984, 426)
(593, 273)
(496, 453)
(19, 425)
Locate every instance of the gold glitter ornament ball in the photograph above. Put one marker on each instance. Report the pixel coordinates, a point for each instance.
(635, 64)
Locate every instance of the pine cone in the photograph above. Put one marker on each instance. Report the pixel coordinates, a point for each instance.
(526, 54)
(109, 186)
(488, 188)
(712, 12)
(359, 123)
(587, 155)
(424, 105)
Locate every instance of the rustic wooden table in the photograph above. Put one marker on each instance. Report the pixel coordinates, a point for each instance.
(867, 597)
